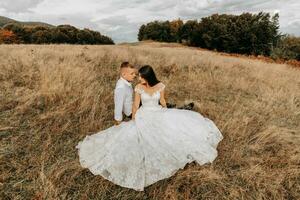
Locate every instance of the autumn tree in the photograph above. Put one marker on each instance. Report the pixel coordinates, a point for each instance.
(157, 30)
(61, 34)
(288, 47)
(8, 37)
(175, 27)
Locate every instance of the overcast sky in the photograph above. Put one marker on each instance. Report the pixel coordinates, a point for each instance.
(121, 19)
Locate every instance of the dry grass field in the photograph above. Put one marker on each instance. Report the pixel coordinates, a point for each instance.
(52, 96)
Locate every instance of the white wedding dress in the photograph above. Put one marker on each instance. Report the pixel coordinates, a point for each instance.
(140, 152)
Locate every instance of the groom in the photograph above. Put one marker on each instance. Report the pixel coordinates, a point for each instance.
(123, 94)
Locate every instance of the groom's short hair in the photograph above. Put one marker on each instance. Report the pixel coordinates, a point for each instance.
(126, 64)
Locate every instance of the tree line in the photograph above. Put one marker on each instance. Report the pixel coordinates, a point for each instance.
(16, 33)
(288, 47)
(252, 34)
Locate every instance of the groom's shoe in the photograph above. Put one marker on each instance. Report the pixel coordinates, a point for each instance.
(189, 106)
(127, 118)
(169, 105)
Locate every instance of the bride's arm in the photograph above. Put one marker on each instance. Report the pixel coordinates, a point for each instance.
(162, 99)
(136, 103)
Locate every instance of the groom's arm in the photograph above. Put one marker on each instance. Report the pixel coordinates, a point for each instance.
(119, 96)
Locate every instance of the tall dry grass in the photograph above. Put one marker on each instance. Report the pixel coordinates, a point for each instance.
(53, 96)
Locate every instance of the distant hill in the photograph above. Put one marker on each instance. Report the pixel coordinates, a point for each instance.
(6, 20)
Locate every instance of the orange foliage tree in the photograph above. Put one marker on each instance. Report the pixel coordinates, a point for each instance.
(8, 37)
(175, 27)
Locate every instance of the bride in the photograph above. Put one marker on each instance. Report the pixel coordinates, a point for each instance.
(156, 143)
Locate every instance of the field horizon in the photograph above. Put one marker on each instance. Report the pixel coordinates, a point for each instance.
(52, 96)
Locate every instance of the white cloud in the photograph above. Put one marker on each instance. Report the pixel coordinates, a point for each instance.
(18, 5)
(121, 19)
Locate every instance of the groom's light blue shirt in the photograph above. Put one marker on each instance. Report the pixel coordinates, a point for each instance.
(123, 94)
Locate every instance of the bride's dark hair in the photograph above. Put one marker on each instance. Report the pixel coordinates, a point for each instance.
(148, 74)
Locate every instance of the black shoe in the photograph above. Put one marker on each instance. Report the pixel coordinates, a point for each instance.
(127, 117)
(189, 106)
(169, 105)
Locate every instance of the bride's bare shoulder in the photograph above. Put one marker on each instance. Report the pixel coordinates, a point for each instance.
(138, 88)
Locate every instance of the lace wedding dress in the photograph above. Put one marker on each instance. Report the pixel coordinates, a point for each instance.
(140, 152)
